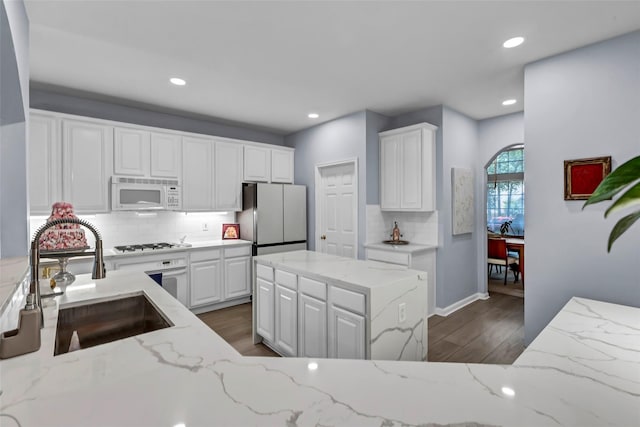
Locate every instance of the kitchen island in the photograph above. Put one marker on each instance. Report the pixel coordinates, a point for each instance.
(311, 304)
(581, 370)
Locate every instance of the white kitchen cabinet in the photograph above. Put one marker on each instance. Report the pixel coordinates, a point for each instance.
(197, 174)
(265, 309)
(138, 152)
(282, 166)
(205, 283)
(286, 321)
(312, 327)
(45, 163)
(407, 168)
(87, 165)
(257, 163)
(237, 277)
(166, 155)
(346, 334)
(228, 176)
(131, 151)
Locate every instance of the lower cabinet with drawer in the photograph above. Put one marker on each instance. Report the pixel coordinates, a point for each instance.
(346, 324)
(219, 277)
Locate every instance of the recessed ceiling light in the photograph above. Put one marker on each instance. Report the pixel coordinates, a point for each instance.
(509, 102)
(313, 115)
(513, 42)
(177, 81)
(312, 366)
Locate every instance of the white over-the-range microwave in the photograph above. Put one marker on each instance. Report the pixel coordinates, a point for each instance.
(130, 193)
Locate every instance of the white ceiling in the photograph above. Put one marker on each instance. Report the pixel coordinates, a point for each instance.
(268, 63)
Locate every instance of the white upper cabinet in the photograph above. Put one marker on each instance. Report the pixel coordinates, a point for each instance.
(142, 153)
(197, 174)
(407, 168)
(257, 163)
(282, 166)
(166, 155)
(228, 176)
(87, 165)
(45, 163)
(131, 151)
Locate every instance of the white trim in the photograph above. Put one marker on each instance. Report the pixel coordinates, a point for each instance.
(318, 179)
(63, 116)
(423, 125)
(459, 304)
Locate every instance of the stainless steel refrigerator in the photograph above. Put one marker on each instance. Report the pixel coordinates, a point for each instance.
(274, 217)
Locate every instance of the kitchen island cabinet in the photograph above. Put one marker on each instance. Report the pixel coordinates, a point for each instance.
(557, 380)
(345, 308)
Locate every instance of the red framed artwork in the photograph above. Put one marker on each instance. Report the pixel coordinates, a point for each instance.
(230, 231)
(582, 176)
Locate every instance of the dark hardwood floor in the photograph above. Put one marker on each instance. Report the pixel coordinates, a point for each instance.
(233, 324)
(486, 331)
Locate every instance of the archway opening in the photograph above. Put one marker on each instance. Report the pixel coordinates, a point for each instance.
(505, 226)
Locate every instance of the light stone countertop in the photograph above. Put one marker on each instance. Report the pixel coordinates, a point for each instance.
(112, 254)
(349, 272)
(584, 369)
(12, 271)
(409, 248)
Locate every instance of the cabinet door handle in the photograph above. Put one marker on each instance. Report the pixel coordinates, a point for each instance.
(323, 237)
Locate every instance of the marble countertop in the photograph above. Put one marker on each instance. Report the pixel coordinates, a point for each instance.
(362, 275)
(582, 370)
(111, 253)
(409, 248)
(12, 271)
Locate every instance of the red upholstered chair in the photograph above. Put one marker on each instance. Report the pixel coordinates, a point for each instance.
(497, 255)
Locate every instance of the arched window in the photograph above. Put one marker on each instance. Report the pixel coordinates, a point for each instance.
(505, 191)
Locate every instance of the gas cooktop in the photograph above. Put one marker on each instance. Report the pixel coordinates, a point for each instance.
(144, 247)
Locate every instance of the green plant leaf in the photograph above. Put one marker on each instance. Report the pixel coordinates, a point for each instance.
(630, 198)
(613, 183)
(622, 226)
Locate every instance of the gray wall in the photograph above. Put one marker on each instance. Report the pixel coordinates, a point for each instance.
(457, 260)
(494, 135)
(376, 123)
(86, 105)
(340, 139)
(14, 90)
(456, 146)
(583, 103)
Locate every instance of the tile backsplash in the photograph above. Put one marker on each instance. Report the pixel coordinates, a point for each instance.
(120, 228)
(416, 227)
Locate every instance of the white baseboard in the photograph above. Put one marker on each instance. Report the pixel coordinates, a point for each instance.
(459, 304)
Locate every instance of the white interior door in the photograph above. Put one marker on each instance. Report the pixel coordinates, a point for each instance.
(338, 210)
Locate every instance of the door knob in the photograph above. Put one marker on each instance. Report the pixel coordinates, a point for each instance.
(323, 237)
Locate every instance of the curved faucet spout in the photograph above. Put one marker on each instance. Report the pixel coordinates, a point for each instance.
(99, 271)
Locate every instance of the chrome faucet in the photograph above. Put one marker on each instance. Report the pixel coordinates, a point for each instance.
(99, 271)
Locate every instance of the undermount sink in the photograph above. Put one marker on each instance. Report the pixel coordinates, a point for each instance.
(102, 322)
